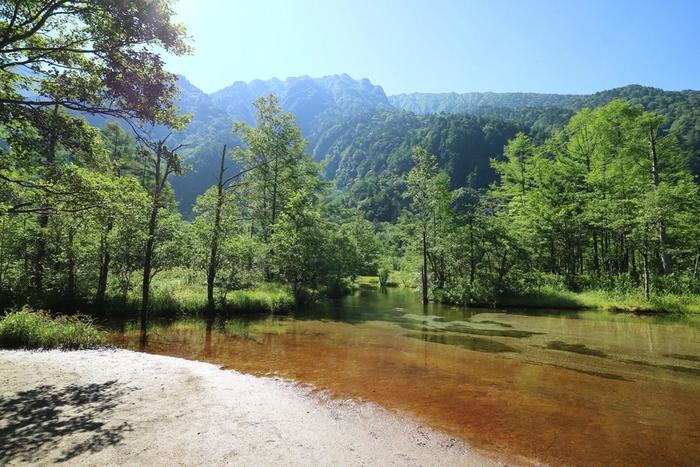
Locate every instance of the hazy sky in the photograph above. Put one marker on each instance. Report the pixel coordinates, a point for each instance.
(563, 46)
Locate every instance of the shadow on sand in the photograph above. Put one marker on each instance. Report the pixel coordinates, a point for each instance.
(34, 422)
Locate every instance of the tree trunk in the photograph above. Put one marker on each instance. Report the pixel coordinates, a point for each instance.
(607, 263)
(472, 255)
(661, 222)
(71, 265)
(40, 255)
(502, 269)
(275, 173)
(645, 260)
(4, 260)
(424, 272)
(624, 255)
(596, 264)
(147, 260)
(126, 286)
(633, 267)
(105, 259)
(102, 280)
(213, 256)
(150, 240)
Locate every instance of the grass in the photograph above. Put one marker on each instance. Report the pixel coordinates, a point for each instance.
(182, 292)
(27, 329)
(552, 297)
(634, 302)
(178, 291)
(265, 298)
(373, 281)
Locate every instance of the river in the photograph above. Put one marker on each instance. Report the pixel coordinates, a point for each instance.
(561, 387)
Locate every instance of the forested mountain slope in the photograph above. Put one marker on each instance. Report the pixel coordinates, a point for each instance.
(681, 108)
(212, 117)
(368, 154)
(365, 137)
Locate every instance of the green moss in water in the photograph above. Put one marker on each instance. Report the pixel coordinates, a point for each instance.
(491, 332)
(466, 342)
(575, 348)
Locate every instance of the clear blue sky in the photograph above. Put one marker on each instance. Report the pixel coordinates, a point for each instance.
(564, 46)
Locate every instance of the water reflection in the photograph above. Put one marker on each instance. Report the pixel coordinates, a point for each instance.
(467, 342)
(576, 348)
(567, 387)
(207, 337)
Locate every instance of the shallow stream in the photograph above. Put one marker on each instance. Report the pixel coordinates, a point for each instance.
(560, 387)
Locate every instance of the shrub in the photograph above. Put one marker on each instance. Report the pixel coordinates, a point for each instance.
(30, 329)
(265, 298)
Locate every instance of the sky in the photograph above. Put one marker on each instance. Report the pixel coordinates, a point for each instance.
(563, 46)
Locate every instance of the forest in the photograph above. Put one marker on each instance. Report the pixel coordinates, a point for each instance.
(569, 202)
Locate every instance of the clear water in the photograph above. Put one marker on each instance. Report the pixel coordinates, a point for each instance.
(582, 388)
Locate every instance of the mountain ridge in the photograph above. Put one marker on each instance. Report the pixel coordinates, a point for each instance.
(296, 94)
(256, 82)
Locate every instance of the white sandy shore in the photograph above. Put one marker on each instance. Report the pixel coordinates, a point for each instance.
(106, 407)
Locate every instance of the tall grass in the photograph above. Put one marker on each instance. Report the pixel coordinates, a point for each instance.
(184, 292)
(633, 301)
(266, 298)
(29, 329)
(394, 279)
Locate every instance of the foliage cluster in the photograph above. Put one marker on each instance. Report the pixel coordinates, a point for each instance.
(543, 194)
(607, 203)
(28, 329)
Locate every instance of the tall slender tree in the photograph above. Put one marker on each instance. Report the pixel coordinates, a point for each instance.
(164, 162)
(275, 149)
(652, 124)
(422, 191)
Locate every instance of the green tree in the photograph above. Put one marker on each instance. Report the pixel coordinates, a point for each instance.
(598, 201)
(422, 189)
(163, 161)
(275, 163)
(123, 164)
(98, 57)
(217, 221)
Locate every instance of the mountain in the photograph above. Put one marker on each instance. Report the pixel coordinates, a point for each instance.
(365, 137)
(471, 102)
(681, 108)
(212, 117)
(368, 154)
(305, 97)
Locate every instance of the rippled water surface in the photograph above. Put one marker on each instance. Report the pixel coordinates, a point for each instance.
(562, 387)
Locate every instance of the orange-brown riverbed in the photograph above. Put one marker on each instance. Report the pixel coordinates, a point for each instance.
(586, 388)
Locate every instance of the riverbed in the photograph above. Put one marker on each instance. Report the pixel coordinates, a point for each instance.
(560, 387)
(116, 407)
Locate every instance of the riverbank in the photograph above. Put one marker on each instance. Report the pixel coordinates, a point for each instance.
(101, 407)
(562, 299)
(552, 298)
